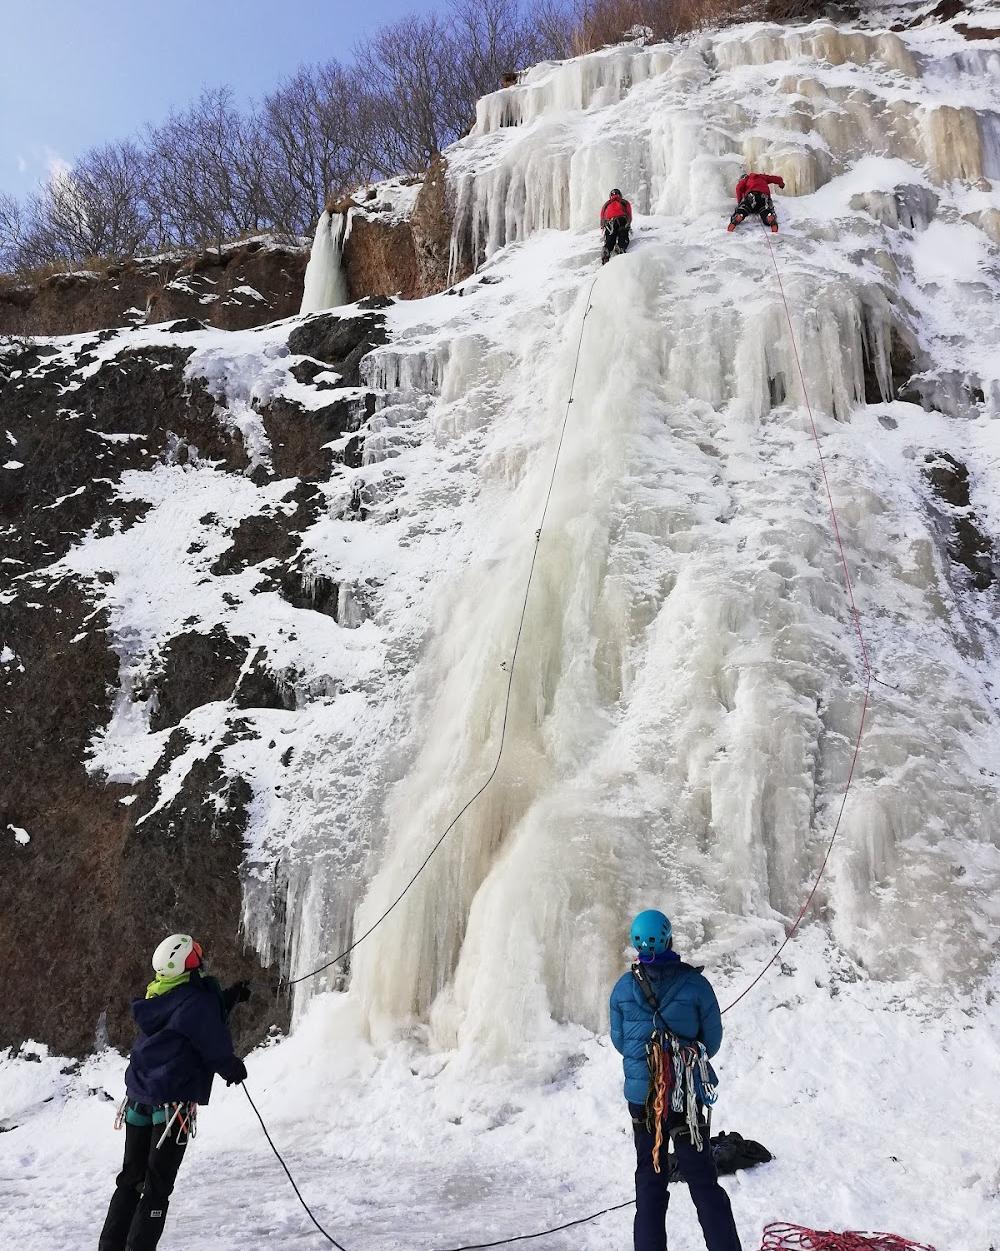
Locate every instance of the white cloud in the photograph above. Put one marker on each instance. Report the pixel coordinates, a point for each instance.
(58, 167)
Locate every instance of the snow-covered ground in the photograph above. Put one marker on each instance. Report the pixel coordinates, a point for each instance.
(879, 1108)
(687, 692)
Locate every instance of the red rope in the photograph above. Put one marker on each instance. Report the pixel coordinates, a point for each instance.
(848, 584)
(855, 617)
(781, 1237)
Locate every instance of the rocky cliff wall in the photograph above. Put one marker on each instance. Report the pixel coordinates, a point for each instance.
(399, 243)
(100, 857)
(246, 284)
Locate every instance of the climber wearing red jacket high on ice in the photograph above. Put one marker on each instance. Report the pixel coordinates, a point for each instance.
(616, 221)
(753, 196)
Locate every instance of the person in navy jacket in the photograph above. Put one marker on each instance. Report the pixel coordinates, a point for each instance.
(688, 1008)
(183, 1042)
(753, 195)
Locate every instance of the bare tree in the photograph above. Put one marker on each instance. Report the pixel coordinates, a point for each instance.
(554, 25)
(317, 143)
(407, 108)
(208, 178)
(98, 207)
(212, 172)
(11, 232)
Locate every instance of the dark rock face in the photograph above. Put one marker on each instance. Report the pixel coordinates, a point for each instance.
(95, 871)
(246, 284)
(902, 366)
(340, 342)
(433, 216)
(968, 545)
(196, 669)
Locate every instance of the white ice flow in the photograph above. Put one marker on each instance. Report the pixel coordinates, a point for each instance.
(688, 686)
(325, 285)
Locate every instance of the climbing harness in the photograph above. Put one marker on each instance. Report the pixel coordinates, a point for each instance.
(183, 1115)
(510, 670)
(781, 1237)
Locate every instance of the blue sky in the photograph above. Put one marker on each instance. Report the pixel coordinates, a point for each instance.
(76, 73)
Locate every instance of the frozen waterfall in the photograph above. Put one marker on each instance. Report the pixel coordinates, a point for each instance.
(688, 687)
(325, 281)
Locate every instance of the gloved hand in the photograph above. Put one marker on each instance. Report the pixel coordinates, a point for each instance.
(240, 991)
(234, 1071)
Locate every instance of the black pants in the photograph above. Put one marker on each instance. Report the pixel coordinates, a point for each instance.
(138, 1209)
(616, 234)
(755, 202)
(715, 1214)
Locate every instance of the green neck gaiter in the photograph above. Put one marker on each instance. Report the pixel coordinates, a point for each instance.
(161, 985)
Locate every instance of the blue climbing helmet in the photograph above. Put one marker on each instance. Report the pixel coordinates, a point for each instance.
(650, 933)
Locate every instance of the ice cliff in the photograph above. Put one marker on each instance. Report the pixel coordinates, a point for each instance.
(690, 685)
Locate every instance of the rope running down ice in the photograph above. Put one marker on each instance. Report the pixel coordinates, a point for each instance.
(583, 1220)
(869, 678)
(856, 618)
(510, 671)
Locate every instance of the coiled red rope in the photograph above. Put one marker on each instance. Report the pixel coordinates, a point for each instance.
(782, 1237)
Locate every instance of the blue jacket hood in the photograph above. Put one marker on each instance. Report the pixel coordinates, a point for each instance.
(689, 1009)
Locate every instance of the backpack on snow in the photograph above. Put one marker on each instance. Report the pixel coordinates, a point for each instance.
(730, 1152)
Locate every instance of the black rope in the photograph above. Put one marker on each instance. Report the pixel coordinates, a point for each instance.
(298, 1193)
(510, 676)
(475, 1246)
(582, 1220)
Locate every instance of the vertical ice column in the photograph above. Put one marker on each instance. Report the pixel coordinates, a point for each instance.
(325, 282)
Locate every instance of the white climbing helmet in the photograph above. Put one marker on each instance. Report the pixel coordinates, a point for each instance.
(176, 955)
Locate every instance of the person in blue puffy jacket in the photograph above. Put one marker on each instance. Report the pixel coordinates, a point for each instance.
(688, 1008)
(183, 1042)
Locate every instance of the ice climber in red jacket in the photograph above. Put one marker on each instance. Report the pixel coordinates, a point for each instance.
(753, 196)
(616, 219)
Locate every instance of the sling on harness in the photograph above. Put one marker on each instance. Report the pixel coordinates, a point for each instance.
(183, 1115)
(680, 1076)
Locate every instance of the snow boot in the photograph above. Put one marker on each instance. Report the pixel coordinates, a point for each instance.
(774, 228)
(734, 221)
